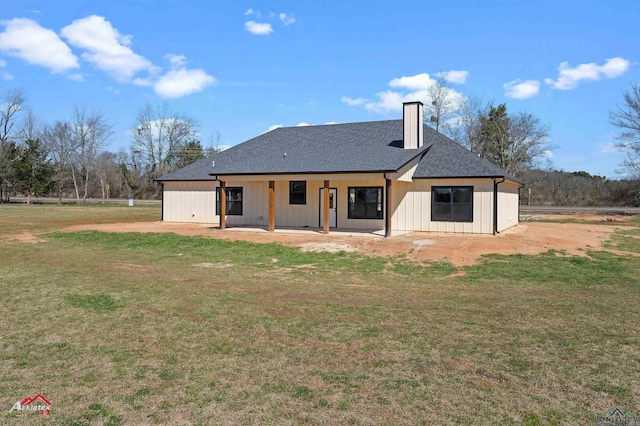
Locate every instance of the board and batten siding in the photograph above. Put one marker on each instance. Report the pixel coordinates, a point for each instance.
(412, 201)
(194, 202)
(189, 201)
(508, 205)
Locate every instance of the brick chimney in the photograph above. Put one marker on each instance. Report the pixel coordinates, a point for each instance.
(412, 132)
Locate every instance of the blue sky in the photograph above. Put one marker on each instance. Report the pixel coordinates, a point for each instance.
(241, 68)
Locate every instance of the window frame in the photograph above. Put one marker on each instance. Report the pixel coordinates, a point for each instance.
(228, 200)
(451, 203)
(304, 192)
(379, 216)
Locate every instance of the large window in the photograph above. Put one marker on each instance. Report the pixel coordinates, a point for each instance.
(452, 203)
(234, 201)
(297, 192)
(365, 202)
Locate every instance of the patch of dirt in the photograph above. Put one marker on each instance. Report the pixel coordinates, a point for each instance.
(27, 237)
(328, 247)
(459, 249)
(214, 265)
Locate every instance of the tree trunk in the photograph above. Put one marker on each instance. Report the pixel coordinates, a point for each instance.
(75, 183)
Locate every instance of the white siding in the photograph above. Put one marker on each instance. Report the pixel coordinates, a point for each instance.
(412, 203)
(508, 200)
(195, 202)
(192, 201)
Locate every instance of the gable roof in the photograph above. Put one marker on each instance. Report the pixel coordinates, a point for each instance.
(366, 147)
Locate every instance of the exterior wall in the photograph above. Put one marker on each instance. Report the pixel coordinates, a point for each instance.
(412, 203)
(195, 202)
(508, 201)
(256, 204)
(192, 201)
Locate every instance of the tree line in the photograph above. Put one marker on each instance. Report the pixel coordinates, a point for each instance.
(70, 158)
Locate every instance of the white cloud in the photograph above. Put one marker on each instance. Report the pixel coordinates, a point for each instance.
(331, 122)
(353, 102)
(258, 28)
(302, 124)
(407, 89)
(106, 48)
(177, 60)
(455, 77)
(181, 82)
(415, 82)
(286, 19)
(275, 126)
(76, 77)
(27, 40)
(518, 89)
(249, 12)
(609, 148)
(547, 154)
(3, 74)
(568, 78)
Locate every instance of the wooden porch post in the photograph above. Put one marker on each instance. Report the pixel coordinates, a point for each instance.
(272, 206)
(223, 204)
(325, 212)
(388, 210)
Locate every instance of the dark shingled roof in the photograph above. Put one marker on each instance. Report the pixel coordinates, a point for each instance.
(448, 159)
(340, 148)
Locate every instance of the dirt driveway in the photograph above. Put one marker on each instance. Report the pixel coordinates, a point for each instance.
(531, 237)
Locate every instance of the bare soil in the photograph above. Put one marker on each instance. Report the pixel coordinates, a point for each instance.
(531, 237)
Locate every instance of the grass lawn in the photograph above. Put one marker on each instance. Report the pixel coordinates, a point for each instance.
(119, 329)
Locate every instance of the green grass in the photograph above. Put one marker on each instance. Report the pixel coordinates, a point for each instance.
(165, 329)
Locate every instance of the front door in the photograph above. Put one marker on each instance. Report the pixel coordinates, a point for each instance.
(333, 207)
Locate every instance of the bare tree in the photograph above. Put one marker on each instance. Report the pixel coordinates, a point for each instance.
(60, 143)
(440, 104)
(106, 169)
(627, 119)
(469, 109)
(158, 134)
(12, 103)
(31, 128)
(90, 131)
(511, 142)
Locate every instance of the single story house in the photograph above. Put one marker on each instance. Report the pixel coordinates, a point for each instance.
(388, 176)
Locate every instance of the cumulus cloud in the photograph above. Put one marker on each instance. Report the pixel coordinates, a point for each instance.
(518, 89)
(182, 82)
(455, 77)
(27, 40)
(568, 78)
(302, 124)
(106, 48)
(258, 28)
(405, 89)
(275, 126)
(286, 19)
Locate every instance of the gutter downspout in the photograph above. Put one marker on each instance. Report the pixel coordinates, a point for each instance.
(387, 221)
(495, 205)
(522, 185)
(162, 211)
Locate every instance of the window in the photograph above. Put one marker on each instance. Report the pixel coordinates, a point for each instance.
(365, 202)
(234, 201)
(452, 203)
(297, 192)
